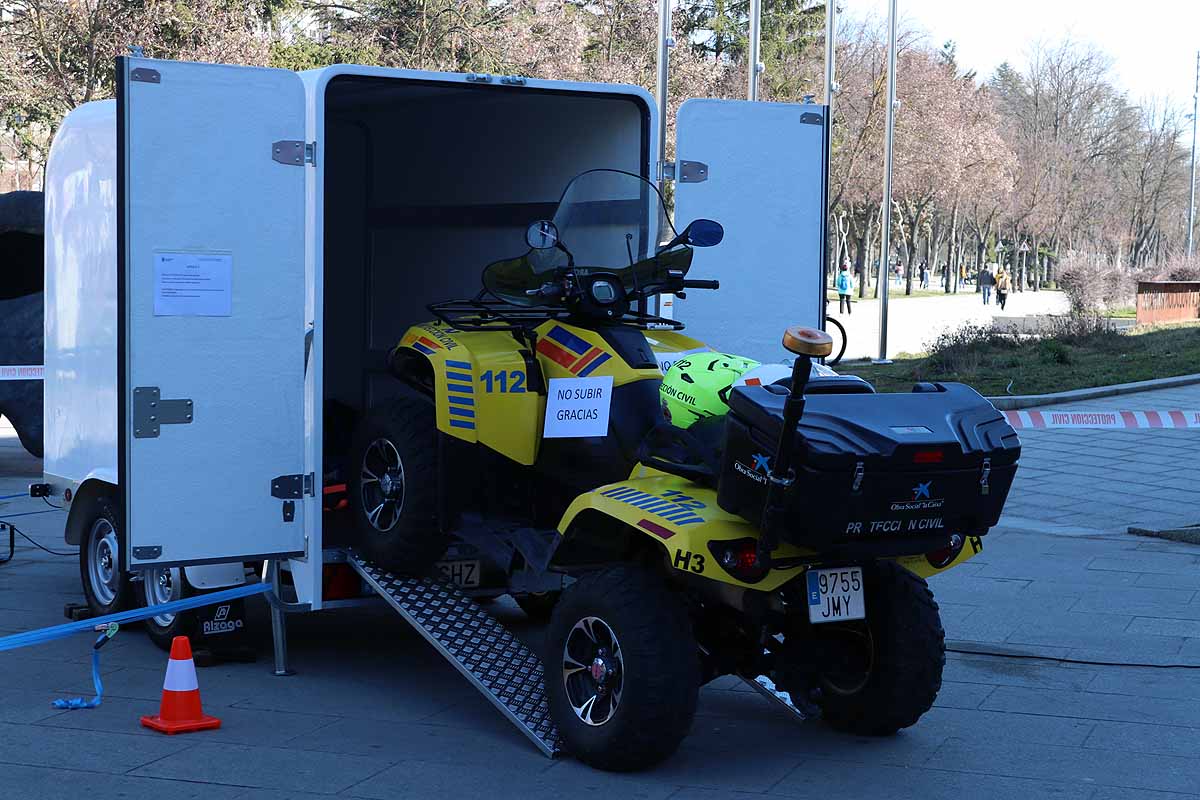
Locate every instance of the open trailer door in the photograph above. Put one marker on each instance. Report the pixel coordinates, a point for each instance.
(759, 170)
(211, 331)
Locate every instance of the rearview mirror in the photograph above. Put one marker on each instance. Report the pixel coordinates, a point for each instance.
(704, 233)
(542, 235)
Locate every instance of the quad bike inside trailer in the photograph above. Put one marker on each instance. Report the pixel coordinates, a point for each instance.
(509, 435)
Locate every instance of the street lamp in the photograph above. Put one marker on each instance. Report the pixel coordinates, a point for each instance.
(890, 128)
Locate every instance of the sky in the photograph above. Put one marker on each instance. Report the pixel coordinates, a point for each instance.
(1153, 43)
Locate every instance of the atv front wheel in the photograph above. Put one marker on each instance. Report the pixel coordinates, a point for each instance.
(393, 486)
(622, 669)
(890, 669)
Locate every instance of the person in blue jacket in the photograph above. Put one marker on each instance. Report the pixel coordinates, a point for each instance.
(844, 285)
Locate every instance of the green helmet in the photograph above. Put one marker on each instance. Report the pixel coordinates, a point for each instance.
(697, 386)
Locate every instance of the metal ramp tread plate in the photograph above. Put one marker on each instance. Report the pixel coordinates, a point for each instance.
(506, 671)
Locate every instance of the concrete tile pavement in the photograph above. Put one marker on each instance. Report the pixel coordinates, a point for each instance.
(1097, 481)
(375, 713)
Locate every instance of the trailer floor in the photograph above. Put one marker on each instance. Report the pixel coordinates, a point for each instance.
(374, 712)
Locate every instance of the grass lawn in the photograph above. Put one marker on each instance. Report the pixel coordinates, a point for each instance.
(897, 293)
(1046, 365)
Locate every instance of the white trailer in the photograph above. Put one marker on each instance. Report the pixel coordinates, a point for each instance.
(231, 251)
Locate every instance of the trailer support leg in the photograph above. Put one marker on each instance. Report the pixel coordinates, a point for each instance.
(278, 626)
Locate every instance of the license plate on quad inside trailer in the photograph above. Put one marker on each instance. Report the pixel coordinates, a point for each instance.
(461, 573)
(835, 595)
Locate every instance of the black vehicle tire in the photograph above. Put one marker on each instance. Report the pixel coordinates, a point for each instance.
(106, 585)
(538, 607)
(159, 586)
(652, 670)
(393, 486)
(907, 654)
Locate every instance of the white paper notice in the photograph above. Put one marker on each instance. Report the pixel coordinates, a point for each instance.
(578, 407)
(193, 285)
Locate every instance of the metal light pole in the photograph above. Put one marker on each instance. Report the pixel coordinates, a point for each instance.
(887, 186)
(755, 35)
(830, 40)
(665, 43)
(1192, 193)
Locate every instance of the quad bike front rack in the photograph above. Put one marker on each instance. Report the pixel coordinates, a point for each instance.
(488, 655)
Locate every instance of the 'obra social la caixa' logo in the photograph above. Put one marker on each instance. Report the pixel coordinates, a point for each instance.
(922, 499)
(761, 470)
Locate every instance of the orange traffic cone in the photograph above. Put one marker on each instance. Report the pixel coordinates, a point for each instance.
(180, 710)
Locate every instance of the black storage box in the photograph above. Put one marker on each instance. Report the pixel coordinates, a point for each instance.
(873, 468)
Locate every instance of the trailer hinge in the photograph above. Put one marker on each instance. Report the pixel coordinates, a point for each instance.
(666, 170)
(983, 478)
(512, 80)
(294, 153)
(145, 75)
(858, 476)
(479, 77)
(150, 411)
(293, 487)
(692, 171)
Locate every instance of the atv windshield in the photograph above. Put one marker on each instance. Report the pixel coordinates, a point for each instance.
(607, 220)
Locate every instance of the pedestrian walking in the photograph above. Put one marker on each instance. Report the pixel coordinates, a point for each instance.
(986, 281)
(1003, 287)
(844, 283)
(924, 274)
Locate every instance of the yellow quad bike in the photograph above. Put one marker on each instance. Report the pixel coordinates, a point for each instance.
(786, 541)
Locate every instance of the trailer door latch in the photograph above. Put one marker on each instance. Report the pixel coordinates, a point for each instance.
(292, 487)
(150, 411)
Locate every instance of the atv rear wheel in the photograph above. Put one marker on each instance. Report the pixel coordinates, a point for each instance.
(393, 486)
(892, 671)
(622, 669)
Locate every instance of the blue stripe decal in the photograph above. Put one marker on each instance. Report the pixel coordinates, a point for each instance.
(459, 387)
(458, 364)
(422, 348)
(462, 423)
(462, 401)
(569, 340)
(462, 412)
(458, 376)
(590, 368)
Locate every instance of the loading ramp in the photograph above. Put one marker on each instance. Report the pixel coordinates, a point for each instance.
(495, 661)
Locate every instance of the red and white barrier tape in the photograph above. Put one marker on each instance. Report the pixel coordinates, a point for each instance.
(1119, 420)
(33, 372)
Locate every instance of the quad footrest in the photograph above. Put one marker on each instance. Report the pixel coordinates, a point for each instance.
(498, 663)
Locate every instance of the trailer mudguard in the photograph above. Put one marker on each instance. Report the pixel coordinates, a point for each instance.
(684, 519)
(480, 387)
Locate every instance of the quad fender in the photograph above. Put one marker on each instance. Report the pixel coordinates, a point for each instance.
(683, 518)
(479, 383)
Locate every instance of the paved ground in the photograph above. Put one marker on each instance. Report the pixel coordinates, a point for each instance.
(914, 322)
(374, 713)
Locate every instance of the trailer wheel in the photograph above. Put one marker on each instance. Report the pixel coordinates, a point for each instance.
(162, 585)
(101, 558)
(903, 651)
(622, 669)
(393, 486)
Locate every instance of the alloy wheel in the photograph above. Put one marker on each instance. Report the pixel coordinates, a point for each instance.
(381, 485)
(593, 670)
